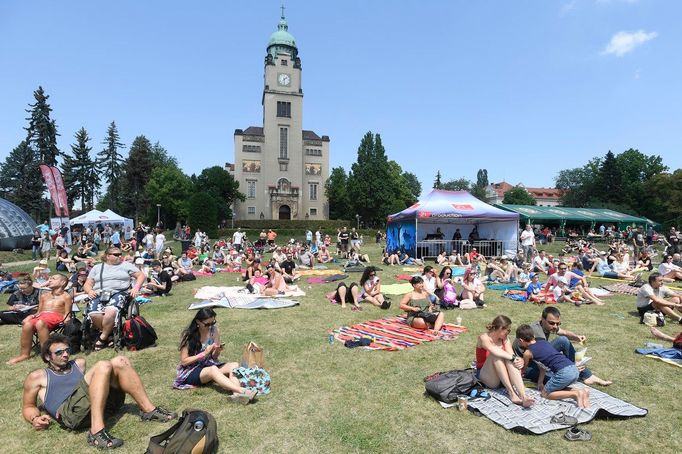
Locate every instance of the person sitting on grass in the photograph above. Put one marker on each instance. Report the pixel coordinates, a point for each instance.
(288, 268)
(160, 282)
(473, 288)
(541, 263)
(53, 307)
(390, 258)
(548, 359)
(77, 399)
(603, 269)
(497, 364)
(64, 263)
(277, 285)
(323, 256)
(575, 281)
(40, 274)
(370, 290)
(654, 296)
(677, 340)
(669, 271)
(22, 303)
(548, 325)
(345, 294)
(419, 308)
(185, 265)
(562, 294)
(200, 348)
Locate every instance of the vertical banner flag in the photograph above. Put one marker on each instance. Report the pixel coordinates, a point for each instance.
(51, 186)
(61, 191)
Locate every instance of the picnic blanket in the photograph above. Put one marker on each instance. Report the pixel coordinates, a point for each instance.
(216, 293)
(245, 302)
(535, 420)
(396, 289)
(327, 279)
(667, 355)
(627, 289)
(316, 271)
(405, 277)
(393, 333)
(510, 286)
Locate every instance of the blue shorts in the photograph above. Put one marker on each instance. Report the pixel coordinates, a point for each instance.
(562, 379)
(194, 377)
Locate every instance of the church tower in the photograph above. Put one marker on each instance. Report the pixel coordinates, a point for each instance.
(280, 167)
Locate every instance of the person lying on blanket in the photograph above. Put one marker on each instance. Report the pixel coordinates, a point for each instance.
(677, 340)
(496, 362)
(563, 371)
(200, 347)
(548, 325)
(345, 294)
(419, 308)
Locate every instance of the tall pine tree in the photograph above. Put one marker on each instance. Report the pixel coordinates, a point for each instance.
(437, 184)
(80, 174)
(21, 181)
(137, 172)
(41, 133)
(110, 165)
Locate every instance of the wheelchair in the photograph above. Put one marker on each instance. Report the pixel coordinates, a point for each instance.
(130, 309)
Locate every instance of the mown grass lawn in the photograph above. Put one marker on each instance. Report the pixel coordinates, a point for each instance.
(329, 399)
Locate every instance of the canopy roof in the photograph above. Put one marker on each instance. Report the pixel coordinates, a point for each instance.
(96, 216)
(442, 207)
(565, 214)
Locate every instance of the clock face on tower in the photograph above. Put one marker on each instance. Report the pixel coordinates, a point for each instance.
(284, 79)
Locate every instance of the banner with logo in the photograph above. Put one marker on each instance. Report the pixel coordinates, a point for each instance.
(48, 176)
(61, 191)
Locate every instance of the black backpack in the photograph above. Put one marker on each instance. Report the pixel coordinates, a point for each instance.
(195, 432)
(73, 330)
(138, 333)
(446, 386)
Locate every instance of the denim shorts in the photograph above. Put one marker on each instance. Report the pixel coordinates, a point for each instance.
(562, 379)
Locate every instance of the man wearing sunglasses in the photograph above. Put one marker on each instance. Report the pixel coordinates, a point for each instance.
(78, 399)
(108, 285)
(548, 325)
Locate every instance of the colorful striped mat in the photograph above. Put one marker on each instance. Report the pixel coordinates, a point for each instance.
(392, 333)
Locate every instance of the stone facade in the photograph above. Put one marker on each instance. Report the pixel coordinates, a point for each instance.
(280, 167)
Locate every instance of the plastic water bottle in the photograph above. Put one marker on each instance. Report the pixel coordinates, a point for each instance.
(331, 339)
(458, 321)
(473, 365)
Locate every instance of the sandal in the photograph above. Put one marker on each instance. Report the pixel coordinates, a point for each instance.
(102, 344)
(104, 440)
(158, 414)
(575, 434)
(563, 419)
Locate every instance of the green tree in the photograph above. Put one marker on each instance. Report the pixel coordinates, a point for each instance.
(80, 175)
(160, 156)
(137, 173)
(403, 195)
(170, 188)
(203, 213)
(610, 179)
(110, 165)
(518, 196)
(460, 184)
(42, 130)
(371, 191)
(437, 183)
(336, 190)
(413, 184)
(21, 181)
(478, 190)
(221, 185)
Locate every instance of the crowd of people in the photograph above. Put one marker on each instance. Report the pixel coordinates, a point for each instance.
(141, 263)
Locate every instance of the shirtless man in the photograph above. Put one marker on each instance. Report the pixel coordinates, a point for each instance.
(53, 307)
(79, 399)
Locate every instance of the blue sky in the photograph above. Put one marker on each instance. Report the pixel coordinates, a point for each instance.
(521, 88)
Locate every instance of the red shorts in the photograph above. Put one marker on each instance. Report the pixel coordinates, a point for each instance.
(51, 319)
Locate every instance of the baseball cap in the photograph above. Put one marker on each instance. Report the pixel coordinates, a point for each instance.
(42, 263)
(139, 261)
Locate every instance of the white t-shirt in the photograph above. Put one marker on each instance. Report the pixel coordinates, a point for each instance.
(237, 237)
(429, 283)
(527, 238)
(665, 268)
(160, 240)
(646, 291)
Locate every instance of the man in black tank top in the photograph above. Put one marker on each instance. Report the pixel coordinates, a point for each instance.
(70, 394)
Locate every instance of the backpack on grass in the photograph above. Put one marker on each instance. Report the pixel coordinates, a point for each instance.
(195, 432)
(446, 386)
(138, 334)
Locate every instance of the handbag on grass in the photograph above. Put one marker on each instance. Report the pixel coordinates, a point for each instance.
(252, 356)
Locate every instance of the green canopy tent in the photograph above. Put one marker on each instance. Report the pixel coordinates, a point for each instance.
(562, 215)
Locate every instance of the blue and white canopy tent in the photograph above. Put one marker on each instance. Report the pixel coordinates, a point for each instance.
(450, 210)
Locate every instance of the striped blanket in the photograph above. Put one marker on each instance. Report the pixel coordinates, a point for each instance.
(392, 333)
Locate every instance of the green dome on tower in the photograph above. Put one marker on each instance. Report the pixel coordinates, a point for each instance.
(282, 40)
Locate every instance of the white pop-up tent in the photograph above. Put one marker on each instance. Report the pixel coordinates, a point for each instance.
(99, 217)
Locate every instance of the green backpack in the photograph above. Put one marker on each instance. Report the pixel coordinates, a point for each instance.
(194, 433)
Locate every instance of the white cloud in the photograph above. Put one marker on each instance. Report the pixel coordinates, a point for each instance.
(638, 71)
(568, 7)
(623, 42)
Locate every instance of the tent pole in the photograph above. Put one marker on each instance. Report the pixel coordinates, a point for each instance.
(416, 237)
